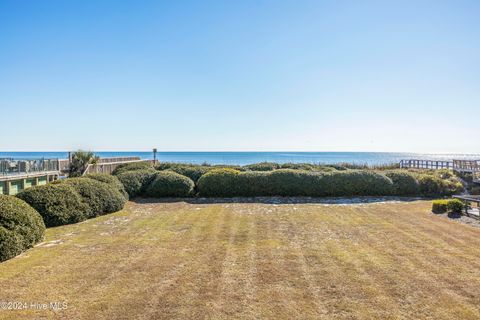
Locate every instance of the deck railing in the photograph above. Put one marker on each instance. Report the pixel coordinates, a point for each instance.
(16, 167)
(466, 165)
(426, 164)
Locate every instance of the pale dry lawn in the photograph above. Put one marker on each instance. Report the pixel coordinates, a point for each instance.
(252, 261)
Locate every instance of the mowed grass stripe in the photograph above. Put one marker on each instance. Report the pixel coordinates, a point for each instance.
(252, 261)
(431, 272)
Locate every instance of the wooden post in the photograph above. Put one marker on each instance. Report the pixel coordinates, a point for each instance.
(7, 187)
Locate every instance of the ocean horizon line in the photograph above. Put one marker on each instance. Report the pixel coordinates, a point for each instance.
(250, 157)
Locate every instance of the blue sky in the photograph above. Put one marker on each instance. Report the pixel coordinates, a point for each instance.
(240, 75)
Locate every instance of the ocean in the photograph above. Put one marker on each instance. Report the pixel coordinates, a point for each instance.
(243, 158)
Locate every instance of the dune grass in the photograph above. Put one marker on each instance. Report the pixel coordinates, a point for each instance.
(251, 261)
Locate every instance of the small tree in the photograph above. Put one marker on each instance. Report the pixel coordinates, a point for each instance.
(79, 162)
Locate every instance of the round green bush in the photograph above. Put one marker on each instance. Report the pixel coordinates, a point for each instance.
(404, 183)
(100, 197)
(20, 227)
(431, 186)
(219, 183)
(170, 184)
(455, 206)
(133, 166)
(136, 182)
(109, 179)
(58, 204)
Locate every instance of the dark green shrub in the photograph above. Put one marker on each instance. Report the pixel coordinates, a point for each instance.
(455, 206)
(169, 165)
(109, 179)
(356, 183)
(404, 183)
(218, 183)
(193, 172)
(262, 166)
(58, 204)
(286, 182)
(133, 166)
(452, 186)
(430, 185)
(170, 184)
(440, 206)
(136, 182)
(100, 197)
(20, 227)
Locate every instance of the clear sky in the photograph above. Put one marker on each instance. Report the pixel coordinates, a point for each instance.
(240, 75)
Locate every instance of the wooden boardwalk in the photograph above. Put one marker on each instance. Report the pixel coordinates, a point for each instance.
(463, 166)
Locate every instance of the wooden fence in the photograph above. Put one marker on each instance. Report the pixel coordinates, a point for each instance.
(109, 166)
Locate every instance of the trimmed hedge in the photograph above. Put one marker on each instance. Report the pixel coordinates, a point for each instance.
(170, 184)
(141, 165)
(404, 183)
(218, 183)
(136, 182)
(451, 205)
(58, 204)
(100, 197)
(357, 183)
(286, 182)
(109, 179)
(20, 227)
(440, 206)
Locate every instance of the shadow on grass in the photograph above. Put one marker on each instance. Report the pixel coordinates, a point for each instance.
(454, 215)
(279, 200)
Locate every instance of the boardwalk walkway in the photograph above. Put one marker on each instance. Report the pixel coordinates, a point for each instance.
(463, 166)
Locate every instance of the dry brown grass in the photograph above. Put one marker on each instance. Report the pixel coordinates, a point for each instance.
(253, 261)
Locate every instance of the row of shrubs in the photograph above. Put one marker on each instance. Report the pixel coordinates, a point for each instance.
(76, 199)
(23, 218)
(183, 180)
(194, 171)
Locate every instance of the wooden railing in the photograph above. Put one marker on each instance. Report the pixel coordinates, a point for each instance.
(118, 159)
(426, 164)
(466, 165)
